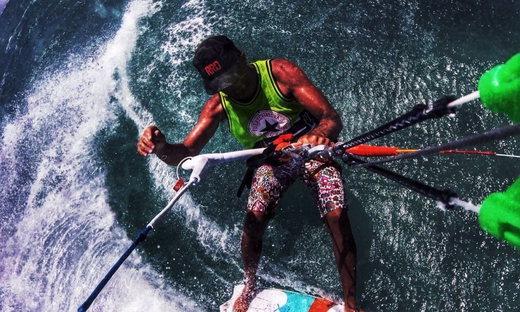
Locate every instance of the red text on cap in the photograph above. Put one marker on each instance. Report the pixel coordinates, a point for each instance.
(213, 68)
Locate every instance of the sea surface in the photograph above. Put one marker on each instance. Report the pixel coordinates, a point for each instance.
(80, 80)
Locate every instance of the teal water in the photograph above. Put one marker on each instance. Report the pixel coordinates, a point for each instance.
(80, 81)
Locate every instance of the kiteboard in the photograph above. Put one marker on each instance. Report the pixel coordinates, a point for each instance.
(280, 300)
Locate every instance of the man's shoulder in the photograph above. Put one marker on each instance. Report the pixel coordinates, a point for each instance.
(283, 67)
(214, 101)
(213, 106)
(281, 62)
(285, 71)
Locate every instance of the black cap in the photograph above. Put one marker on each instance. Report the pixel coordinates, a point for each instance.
(218, 61)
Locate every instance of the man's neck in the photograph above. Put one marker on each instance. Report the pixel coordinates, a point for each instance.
(246, 89)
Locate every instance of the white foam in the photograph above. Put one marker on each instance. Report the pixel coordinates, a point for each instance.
(68, 237)
(3, 4)
(182, 39)
(184, 36)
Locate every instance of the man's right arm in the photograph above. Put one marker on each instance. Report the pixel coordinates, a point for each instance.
(153, 140)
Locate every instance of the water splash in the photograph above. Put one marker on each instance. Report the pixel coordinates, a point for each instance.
(65, 234)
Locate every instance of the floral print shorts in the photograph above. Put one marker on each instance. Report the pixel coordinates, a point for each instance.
(322, 177)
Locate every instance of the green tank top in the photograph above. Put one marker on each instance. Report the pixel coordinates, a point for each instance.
(268, 115)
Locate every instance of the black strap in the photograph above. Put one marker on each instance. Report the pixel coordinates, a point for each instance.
(418, 114)
(444, 196)
(268, 156)
(140, 238)
(247, 180)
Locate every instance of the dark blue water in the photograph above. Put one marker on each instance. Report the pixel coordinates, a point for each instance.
(81, 80)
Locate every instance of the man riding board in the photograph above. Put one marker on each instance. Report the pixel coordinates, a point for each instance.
(260, 102)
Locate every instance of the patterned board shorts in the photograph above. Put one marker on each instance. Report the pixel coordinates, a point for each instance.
(323, 178)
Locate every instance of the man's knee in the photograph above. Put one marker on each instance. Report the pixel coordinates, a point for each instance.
(337, 217)
(255, 224)
(338, 224)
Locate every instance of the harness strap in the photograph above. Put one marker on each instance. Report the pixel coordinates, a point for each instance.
(269, 156)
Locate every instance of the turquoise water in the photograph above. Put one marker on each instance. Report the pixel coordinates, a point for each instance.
(80, 81)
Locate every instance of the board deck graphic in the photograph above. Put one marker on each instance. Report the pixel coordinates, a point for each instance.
(279, 300)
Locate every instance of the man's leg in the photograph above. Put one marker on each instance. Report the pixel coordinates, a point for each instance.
(266, 190)
(325, 183)
(344, 246)
(254, 228)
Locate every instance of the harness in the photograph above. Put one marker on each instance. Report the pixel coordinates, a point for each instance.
(281, 151)
(272, 155)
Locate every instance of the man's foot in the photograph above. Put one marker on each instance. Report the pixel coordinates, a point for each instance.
(248, 294)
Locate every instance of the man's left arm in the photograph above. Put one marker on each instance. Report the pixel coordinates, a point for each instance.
(294, 82)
